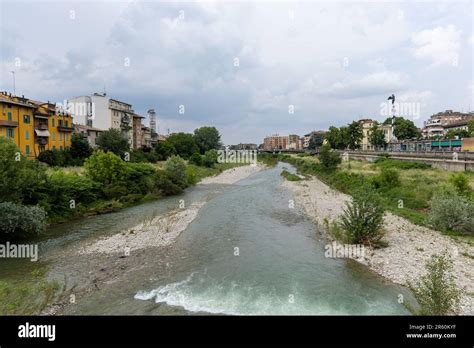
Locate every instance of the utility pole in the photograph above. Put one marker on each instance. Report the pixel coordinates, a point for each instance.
(14, 89)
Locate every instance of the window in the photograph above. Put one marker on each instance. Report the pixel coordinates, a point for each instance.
(54, 148)
(52, 122)
(41, 148)
(60, 123)
(60, 148)
(27, 135)
(54, 136)
(66, 123)
(27, 149)
(9, 116)
(60, 136)
(10, 133)
(67, 136)
(26, 118)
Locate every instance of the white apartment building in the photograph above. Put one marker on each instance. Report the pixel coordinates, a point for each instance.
(102, 112)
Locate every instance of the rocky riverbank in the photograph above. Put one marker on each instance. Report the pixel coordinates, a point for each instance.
(409, 245)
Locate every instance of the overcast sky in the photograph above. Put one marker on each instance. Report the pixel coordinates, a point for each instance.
(244, 66)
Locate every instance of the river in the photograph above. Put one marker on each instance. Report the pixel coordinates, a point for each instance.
(247, 252)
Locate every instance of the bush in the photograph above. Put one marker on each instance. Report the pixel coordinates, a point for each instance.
(388, 178)
(20, 178)
(114, 141)
(329, 158)
(164, 150)
(210, 158)
(62, 187)
(19, 221)
(165, 184)
(105, 167)
(436, 291)
(175, 170)
(363, 217)
(196, 159)
(452, 212)
(461, 182)
(384, 161)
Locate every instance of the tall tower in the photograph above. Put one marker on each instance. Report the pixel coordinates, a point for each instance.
(152, 116)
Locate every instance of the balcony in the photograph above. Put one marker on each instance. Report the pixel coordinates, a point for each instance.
(42, 141)
(4, 123)
(65, 129)
(42, 126)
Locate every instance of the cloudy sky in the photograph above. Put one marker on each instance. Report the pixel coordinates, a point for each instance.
(249, 68)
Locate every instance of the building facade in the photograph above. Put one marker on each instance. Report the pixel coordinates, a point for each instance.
(102, 112)
(275, 142)
(439, 124)
(33, 125)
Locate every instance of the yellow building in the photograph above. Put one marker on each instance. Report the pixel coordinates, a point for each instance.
(33, 125)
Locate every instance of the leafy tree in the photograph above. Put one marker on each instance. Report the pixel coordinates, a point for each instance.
(457, 133)
(184, 144)
(377, 136)
(80, 148)
(210, 158)
(436, 291)
(207, 138)
(329, 158)
(114, 141)
(20, 178)
(404, 129)
(355, 135)
(164, 149)
(105, 167)
(337, 137)
(470, 127)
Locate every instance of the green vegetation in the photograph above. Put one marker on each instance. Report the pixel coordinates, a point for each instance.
(404, 129)
(436, 291)
(423, 195)
(184, 144)
(26, 296)
(329, 158)
(362, 218)
(207, 138)
(349, 136)
(20, 221)
(289, 176)
(114, 141)
(377, 136)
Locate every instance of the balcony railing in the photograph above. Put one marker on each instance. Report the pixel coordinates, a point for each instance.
(65, 129)
(42, 141)
(5, 123)
(42, 126)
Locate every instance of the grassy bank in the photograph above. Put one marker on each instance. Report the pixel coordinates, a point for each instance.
(406, 189)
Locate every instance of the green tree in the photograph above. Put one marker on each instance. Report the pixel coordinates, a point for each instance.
(354, 134)
(114, 141)
(337, 138)
(436, 291)
(470, 127)
(164, 150)
(80, 148)
(175, 169)
(20, 178)
(329, 158)
(457, 133)
(184, 144)
(105, 167)
(377, 136)
(196, 159)
(404, 129)
(207, 138)
(210, 158)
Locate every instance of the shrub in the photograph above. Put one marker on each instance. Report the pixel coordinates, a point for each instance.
(196, 159)
(388, 178)
(175, 170)
(363, 217)
(19, 221)
(164, 150)
(114, 141)
(20, 178)
(138, 177)
(210, 158)
(105, 167)
(461, 182)
(329, 158)
(436, 291)
(290, 176)
(165, 184)
(62, 187)
(384, 161)
(452, 212)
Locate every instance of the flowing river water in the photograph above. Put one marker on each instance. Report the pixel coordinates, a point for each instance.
(247, 252)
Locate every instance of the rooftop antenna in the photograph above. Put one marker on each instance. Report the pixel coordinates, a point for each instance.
(13, 75)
